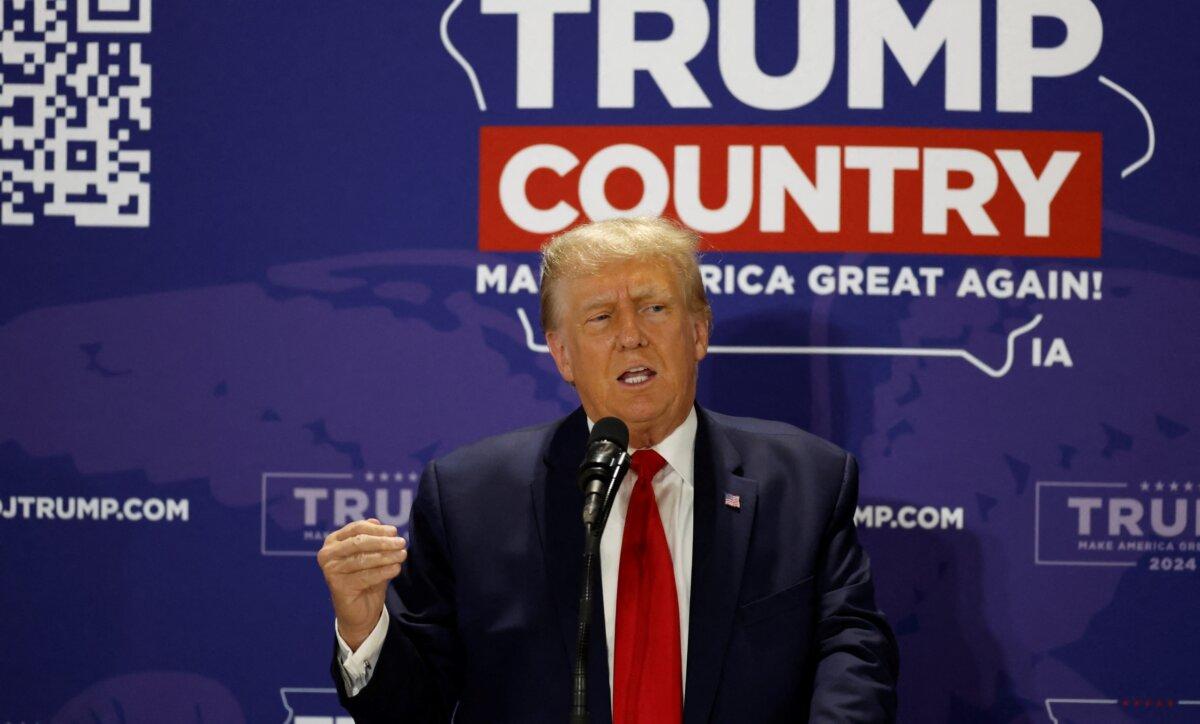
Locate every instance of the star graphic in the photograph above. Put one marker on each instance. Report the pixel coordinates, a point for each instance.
(370, 476)
(397, 476)
(1158, 485)
(1174, 486)
(1145, 485)
(384, 478)
(412, 477)
(1188, 486)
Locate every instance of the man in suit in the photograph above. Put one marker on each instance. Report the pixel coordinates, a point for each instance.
(732, 585)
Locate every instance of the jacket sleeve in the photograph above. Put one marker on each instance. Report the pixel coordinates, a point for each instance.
(419, 673)
(857, 666)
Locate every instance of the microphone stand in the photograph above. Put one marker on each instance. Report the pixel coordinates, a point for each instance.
(592, 531)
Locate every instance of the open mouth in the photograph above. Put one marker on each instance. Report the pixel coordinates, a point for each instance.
(635, 376)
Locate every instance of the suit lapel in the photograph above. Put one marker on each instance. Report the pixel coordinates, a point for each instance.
(557, 504)
(720, 539)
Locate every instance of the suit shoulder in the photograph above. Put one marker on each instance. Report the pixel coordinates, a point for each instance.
(780, 435)
(507, 449)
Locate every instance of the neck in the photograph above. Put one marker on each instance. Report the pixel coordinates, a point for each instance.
(646, 435)
(640, 439)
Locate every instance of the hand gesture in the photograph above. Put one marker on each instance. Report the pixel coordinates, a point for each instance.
(358, 561)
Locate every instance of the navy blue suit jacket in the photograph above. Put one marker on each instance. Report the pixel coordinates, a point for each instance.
(783, 624)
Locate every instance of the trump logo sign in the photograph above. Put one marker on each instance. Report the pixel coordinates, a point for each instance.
(300, 509)
(311, 705)
(1118, 524)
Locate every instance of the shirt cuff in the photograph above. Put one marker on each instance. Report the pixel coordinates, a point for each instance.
(357, 666)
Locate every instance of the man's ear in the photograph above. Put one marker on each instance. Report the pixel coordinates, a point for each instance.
(700, 329)
(561, 355)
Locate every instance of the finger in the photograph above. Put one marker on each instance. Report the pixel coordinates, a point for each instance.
(363, 543)
(359, 527)
(365, 561)
(374, 576)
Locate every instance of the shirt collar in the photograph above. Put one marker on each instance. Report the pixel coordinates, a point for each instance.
(678, 448)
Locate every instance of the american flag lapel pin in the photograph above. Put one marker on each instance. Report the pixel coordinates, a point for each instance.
(733, 501)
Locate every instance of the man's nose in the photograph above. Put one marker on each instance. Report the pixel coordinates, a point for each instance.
(629, 331)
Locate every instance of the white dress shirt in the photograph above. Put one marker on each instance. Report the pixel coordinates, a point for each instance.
(675, 493)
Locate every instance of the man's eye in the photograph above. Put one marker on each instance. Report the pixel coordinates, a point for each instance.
(656, 308)
(599, 318)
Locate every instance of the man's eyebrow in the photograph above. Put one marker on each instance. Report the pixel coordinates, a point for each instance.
(648, 290)
(636, 294)
(598, 300)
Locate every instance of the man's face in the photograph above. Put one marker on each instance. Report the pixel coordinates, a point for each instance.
(627, 341)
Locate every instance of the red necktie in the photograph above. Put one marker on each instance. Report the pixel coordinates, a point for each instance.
(647, 672)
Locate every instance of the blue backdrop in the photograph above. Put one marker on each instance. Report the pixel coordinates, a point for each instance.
(258, 268)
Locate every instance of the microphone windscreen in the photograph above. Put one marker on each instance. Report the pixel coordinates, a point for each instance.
(611, 429)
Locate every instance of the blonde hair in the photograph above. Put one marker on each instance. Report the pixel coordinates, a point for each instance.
(585, 249)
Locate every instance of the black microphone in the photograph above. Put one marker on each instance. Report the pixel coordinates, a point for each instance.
(604, 465)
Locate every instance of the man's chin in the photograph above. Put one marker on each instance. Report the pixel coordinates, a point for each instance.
(634, 408)
(638, 408)
(642, 413)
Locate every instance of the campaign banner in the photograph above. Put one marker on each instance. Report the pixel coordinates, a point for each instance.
(263, 263)
(800, 188)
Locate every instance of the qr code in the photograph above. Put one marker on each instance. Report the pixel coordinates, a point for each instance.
(73, 112)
